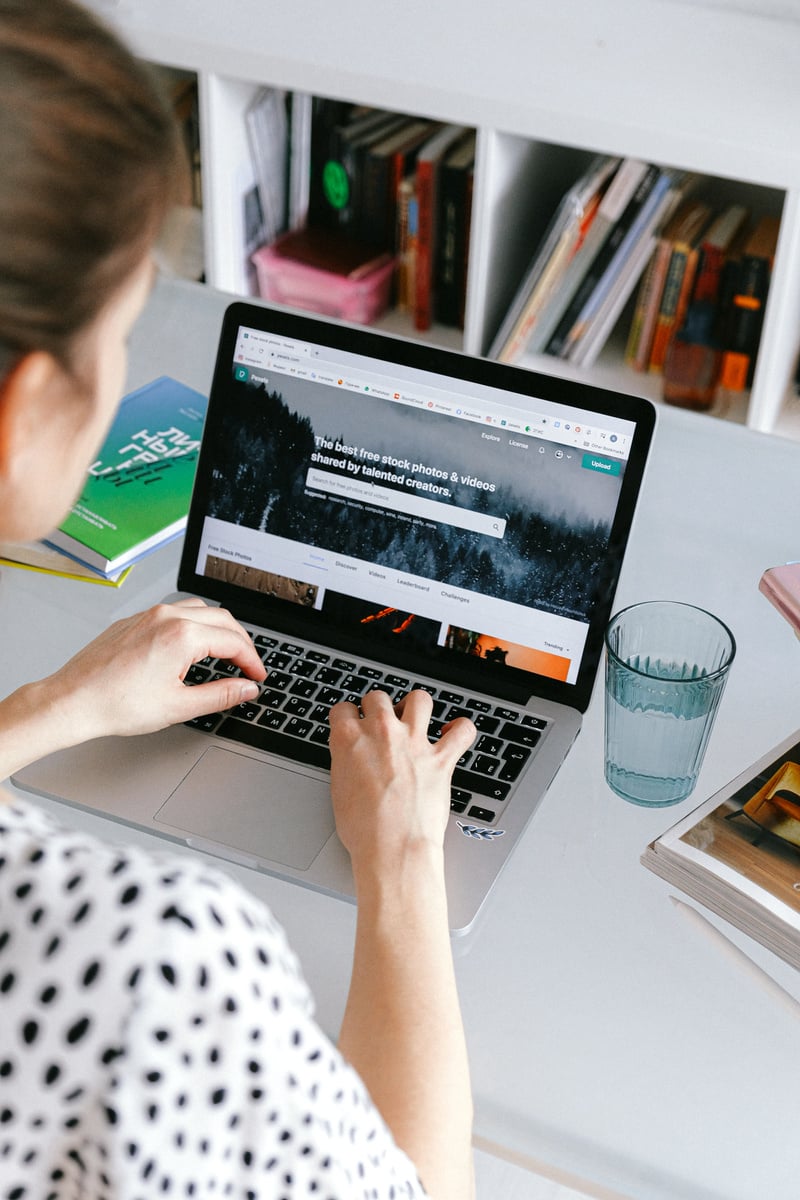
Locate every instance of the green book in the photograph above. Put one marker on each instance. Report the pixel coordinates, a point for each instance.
(136, 495)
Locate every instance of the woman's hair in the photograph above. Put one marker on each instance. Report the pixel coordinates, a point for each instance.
(89, 164)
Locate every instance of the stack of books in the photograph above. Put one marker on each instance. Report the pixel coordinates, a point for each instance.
(590, 260)
(737, 853)
(137, 493)
(630, 237)
(392, 183)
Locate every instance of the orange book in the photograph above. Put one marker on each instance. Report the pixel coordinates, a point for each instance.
(684, 240)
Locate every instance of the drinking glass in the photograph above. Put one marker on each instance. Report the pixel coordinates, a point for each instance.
(667, 664)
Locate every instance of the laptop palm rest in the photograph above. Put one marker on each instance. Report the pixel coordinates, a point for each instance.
(262, 810)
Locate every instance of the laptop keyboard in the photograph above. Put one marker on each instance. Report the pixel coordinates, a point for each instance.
(290, 718)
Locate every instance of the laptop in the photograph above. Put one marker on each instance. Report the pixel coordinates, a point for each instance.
(382, 513)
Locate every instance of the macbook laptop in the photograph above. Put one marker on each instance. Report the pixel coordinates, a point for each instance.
(380, 513)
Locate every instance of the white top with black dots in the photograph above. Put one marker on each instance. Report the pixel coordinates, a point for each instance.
(157, 1038)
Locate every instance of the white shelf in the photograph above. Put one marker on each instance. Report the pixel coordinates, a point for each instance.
(710, 87)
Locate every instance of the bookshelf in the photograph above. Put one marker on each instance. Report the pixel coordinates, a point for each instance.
(705, 87)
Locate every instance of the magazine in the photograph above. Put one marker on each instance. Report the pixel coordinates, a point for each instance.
(739, 852)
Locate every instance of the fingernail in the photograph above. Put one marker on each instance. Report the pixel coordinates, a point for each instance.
(249, 689)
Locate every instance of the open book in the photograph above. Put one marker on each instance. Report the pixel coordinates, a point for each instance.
(739, 852)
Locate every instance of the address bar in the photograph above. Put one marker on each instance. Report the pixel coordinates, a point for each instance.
(398, 501)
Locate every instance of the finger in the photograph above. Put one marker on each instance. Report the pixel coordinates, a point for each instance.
(215, 696)
(457, 737)
(342, 714)
(376, 701)
(415, 710)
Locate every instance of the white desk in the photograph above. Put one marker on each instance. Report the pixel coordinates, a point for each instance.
(607, 1038)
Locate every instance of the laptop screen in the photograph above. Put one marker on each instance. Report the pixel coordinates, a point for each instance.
(426, 508)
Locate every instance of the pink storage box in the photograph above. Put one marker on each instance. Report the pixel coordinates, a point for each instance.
(283, 280)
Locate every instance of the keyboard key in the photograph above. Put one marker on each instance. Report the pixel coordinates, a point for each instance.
(197, 674)
(536, 722)
(295, 706)
(274, 742)
(303, 687)
(271, 699)
(483, 723)
(370, 672)
(486, 765)
(291, 648)
(207, 723)
(459, 800)
(329, 696)
(321, 735)
(316, 656)
(481, 814)
(298, 727)
(523, 735)
(507, 714)
(277, 660)
(344, 664)
(489, 745)
(246, 711)
(302, 667)
(271, 720)
(328, 676)
(279, 679)
(480, 706)
(482, 785)
(451, 697)
(397, 681)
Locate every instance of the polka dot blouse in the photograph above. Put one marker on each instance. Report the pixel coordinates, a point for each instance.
(157, 1038)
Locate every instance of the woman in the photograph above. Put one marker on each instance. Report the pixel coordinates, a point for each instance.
(157, 1037)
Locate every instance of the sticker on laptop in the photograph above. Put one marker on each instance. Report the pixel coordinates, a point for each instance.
(476, 831)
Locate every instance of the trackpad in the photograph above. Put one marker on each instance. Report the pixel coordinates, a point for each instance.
(264, 810)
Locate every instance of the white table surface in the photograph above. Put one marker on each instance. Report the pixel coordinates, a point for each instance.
(608, 1039)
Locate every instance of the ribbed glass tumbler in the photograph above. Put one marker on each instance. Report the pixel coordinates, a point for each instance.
(667, 664)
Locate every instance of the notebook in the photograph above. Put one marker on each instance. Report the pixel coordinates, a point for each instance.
(379, 512)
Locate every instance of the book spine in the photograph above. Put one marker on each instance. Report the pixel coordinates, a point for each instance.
(674, 300)
(743, 324)
(559, 340)
(640, 336)
(426, 238)
(452, 243)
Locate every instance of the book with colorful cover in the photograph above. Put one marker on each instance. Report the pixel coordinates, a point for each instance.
(136, 495)
(615, 200)
(562, 240)
(429, 160)
(684, 256)
(738, 853)
(745, 315)
(38, 556)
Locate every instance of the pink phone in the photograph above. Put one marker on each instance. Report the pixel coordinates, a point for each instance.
(781, 586)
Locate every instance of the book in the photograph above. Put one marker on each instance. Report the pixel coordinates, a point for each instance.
(38, 556)
(738, 853)
(561, 241)
(377, 220)
(339, 137)
(745, 315)
(137, 492)
(648, 299)
(429, 160)
(455, 207)
(324, 181)
(616, 197)
(405, 288)
(691, 365)
(684, 252)
(268, 137)
(622, 272)
(621, 236)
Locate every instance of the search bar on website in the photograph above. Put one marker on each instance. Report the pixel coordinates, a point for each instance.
(405, 502)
